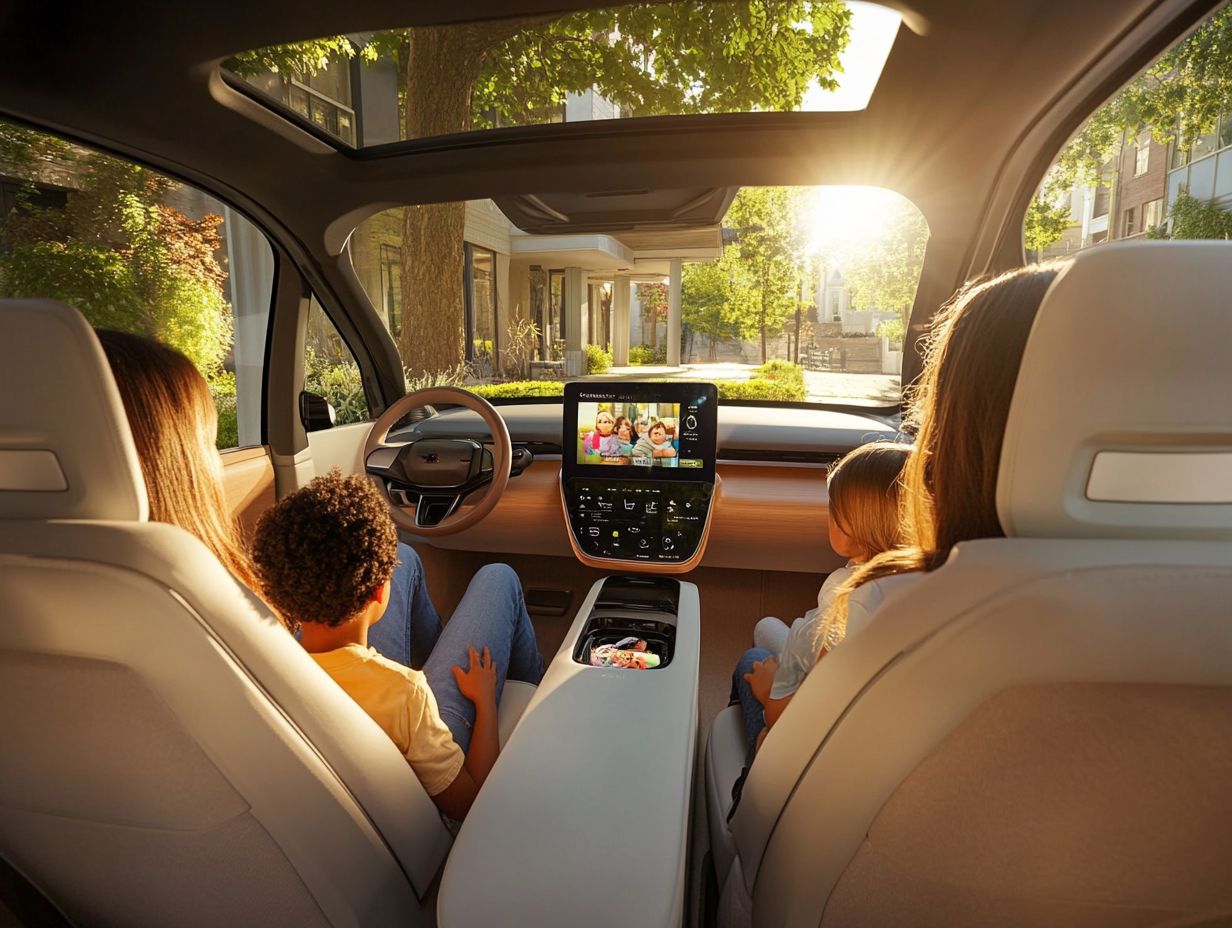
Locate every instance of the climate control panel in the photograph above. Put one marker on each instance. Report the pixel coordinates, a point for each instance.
(656, 521)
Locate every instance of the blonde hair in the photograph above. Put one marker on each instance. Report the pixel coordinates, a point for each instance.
(864, 496)
(174, 425)
(958, 411)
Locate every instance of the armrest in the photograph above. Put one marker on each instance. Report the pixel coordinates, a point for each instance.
(585, 817)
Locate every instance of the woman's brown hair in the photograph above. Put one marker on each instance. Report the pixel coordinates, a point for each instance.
(174, 425)
(958, 412)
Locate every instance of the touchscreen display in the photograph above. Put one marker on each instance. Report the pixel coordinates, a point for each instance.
(641, 429)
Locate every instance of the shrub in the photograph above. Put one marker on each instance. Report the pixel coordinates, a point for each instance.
(519, 388)
(781, 372)
(774, 391)
(222, 389)
(340, 383)
(893, 329)
(647, 354)
(598, 361)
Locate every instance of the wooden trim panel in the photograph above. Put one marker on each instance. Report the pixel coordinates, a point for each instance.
(765, 517)
(248, 482)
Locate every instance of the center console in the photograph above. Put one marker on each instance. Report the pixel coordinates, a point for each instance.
(584, 819)
(638, 472)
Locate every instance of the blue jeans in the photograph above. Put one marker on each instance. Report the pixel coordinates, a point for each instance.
(751, 711)
(492, 613)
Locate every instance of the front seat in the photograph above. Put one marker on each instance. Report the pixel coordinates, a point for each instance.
(171, 755)
(1040, 731)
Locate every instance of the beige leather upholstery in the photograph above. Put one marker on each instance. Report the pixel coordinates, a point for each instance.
(1037, 732)
(171, 755)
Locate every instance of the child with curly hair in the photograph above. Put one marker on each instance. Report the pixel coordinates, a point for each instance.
(325, 556)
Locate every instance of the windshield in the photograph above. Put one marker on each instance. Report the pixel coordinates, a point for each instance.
(796, 295)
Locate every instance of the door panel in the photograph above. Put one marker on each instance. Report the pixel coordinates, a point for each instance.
(338, 447)
(248, 481)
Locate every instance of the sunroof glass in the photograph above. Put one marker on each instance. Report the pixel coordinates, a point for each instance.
(655, 59)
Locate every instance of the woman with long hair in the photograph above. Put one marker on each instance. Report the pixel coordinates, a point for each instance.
(958, 412)
(174, 425)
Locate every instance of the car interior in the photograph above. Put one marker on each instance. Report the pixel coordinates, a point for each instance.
(1036, 732)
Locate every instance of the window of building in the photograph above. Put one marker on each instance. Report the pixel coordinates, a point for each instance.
(391, 288)
(1142, 157)
(1100, 206)
(1225, 126)
(1152, 214)
(1130, 227)
(207, 294)
(1203, 146)
(330, 369)
(480, 291)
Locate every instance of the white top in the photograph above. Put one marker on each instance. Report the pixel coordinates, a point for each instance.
(800, 652)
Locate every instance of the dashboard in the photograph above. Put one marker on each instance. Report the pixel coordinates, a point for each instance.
(767, 510)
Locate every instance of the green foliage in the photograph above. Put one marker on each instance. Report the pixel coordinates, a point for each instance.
(1178, 99)
(782, 372)
(774, 391)
(768, 254)
(340, 383)
(116, 252)
(519, 388)
(1045, 223)
(222, 389)
(648, 354)
(883, 271)
(717, 298)
(1193, 218)
(483, 348)
(299, 59)
(598, 361)
(893, 329)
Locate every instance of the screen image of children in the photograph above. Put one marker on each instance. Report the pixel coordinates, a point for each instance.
(602, 440)
(657, 446)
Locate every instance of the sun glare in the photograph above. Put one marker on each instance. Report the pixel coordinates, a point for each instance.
(840, 218)
(873, 29)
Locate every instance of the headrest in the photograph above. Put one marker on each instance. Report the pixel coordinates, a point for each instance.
(1121, 420)
(66, 451)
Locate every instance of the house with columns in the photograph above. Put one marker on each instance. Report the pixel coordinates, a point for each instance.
(577, 289)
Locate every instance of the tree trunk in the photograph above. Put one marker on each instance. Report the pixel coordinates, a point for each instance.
(437, 69)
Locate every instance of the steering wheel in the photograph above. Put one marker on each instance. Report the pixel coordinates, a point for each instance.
(426, 479)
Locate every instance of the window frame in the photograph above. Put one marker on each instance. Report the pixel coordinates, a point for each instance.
(469, 251)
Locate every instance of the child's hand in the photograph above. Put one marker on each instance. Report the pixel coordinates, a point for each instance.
(761, 678)
(479, 683)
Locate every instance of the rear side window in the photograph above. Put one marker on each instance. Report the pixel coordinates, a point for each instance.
(140, 252)
(1154, 162)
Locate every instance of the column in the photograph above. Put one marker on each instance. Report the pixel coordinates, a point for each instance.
(576, 312)
(620, 320)
(673, 314)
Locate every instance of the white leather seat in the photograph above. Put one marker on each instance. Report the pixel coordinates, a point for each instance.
(171, 756)
(1040, 731)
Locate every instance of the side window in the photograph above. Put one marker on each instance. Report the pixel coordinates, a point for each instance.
(1155, 161)
(140, 252)
(330, 369)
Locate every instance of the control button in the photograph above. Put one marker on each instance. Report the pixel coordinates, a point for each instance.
(644, 543)
(630, 504)
(633, 529)
(668, 544)
(652, 506)
(594, 531)
(690, 422)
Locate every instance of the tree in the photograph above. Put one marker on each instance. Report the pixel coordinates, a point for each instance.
(1177, 99)
(1045, 223)
(883, 271)
(1196, 219)
(715, 297)
(652, 298)
(114, 250)
(770, 250)
(648, 59)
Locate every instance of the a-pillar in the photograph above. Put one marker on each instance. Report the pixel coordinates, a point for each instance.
(673, 314)
(620, 321)
(577, 314)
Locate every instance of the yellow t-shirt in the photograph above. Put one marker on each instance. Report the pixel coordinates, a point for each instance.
(398, 699)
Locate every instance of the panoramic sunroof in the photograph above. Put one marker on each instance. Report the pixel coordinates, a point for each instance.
(653, 59)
